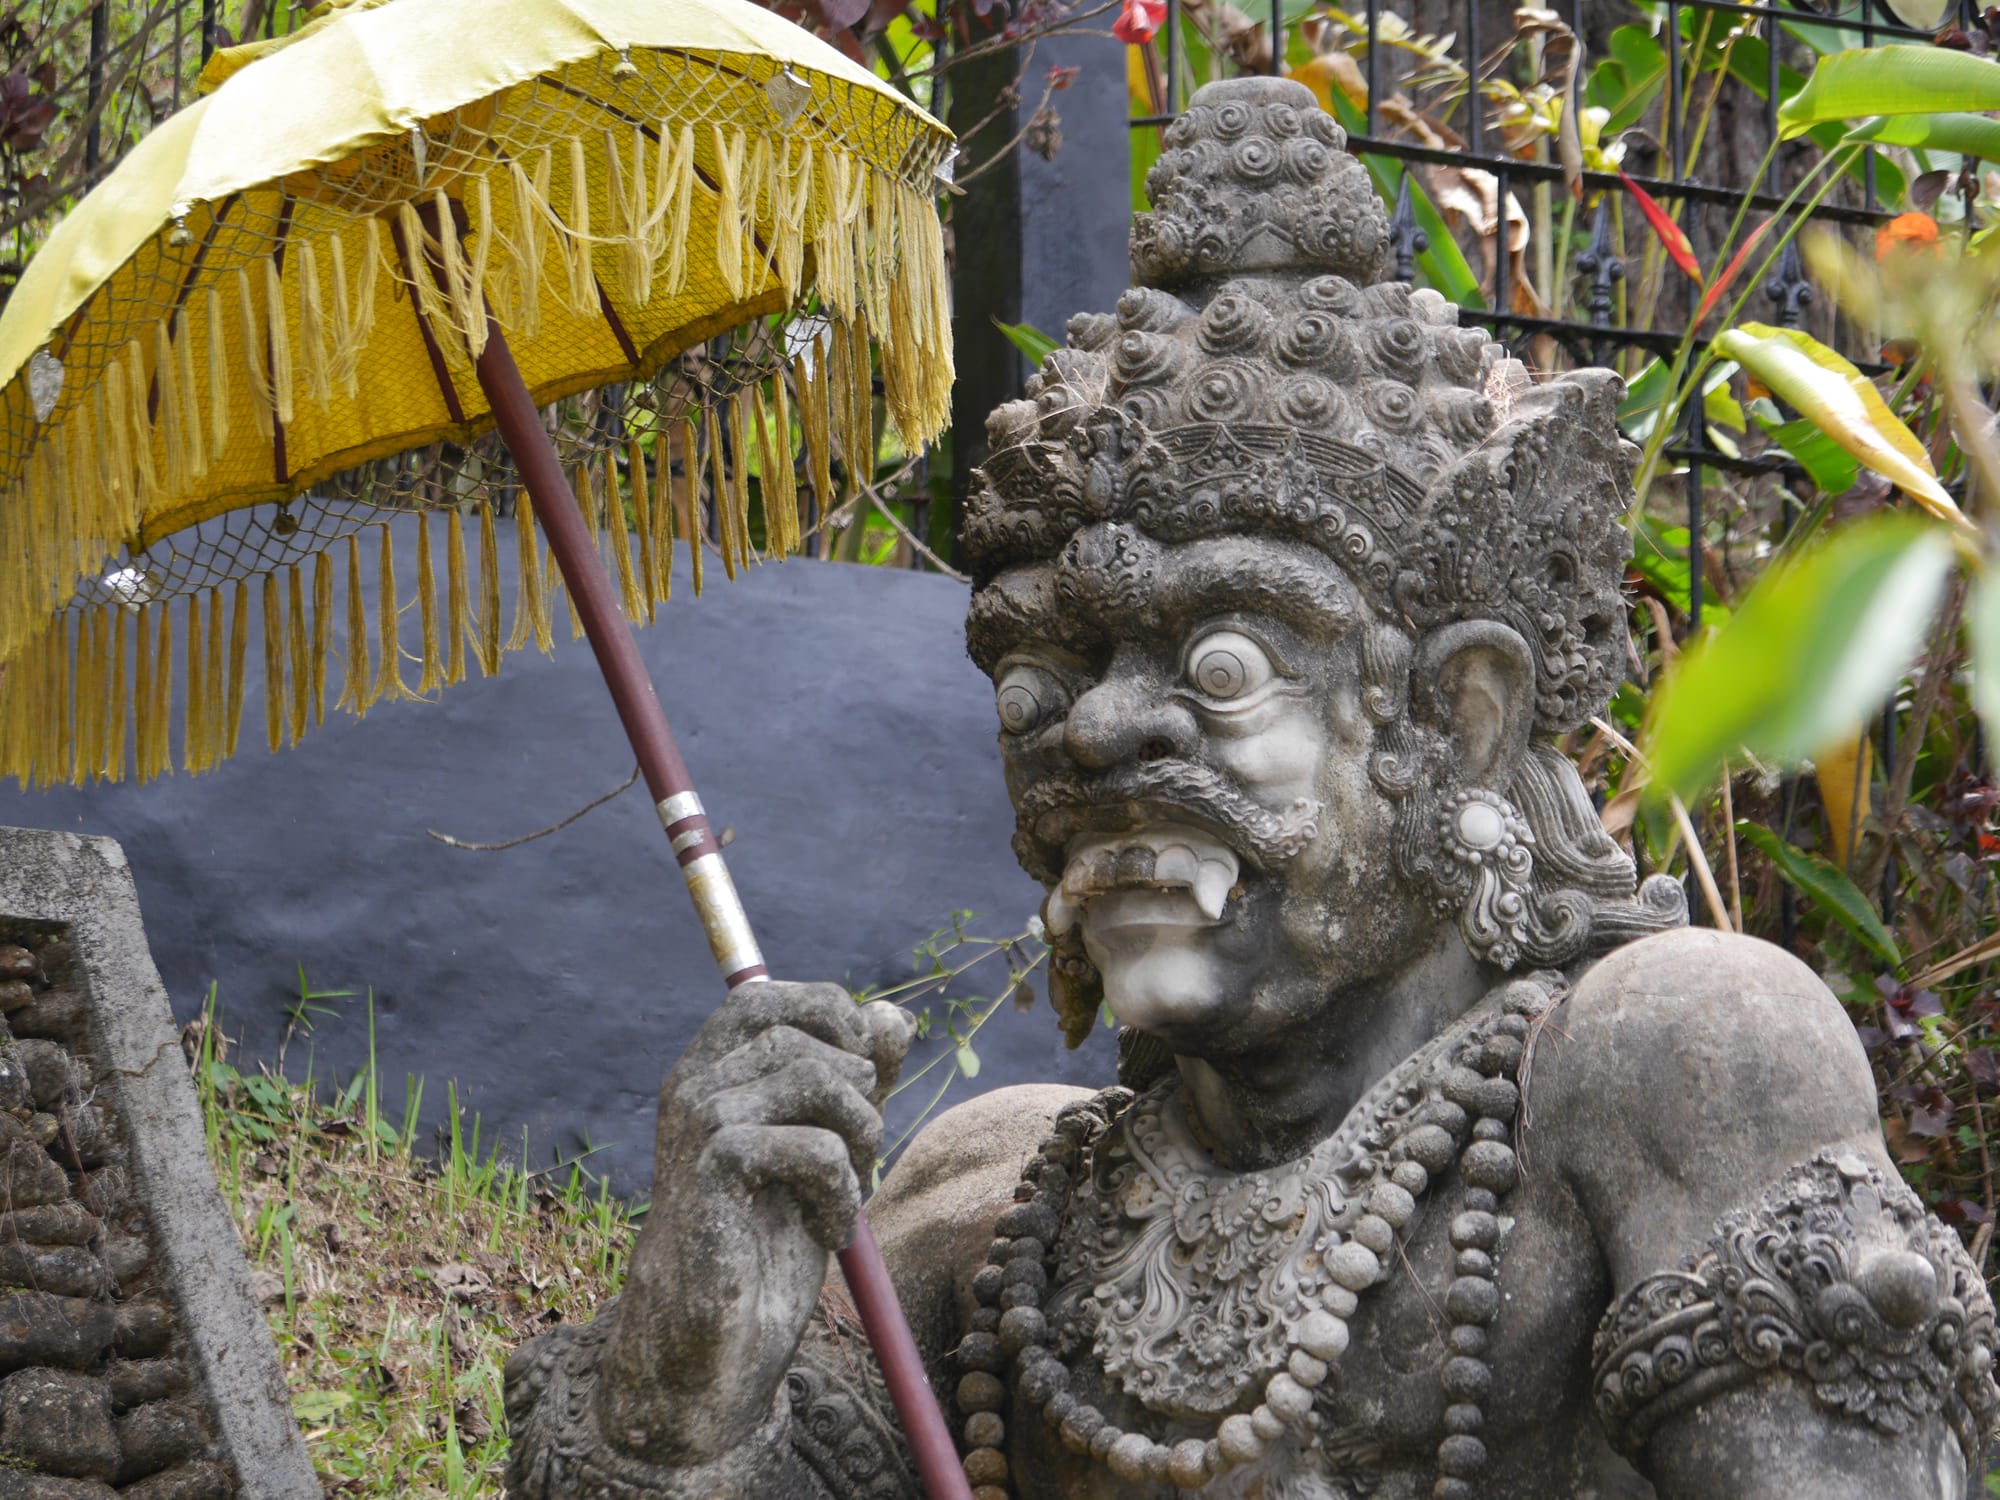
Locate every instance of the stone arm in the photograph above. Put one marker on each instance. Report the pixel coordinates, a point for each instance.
(829, 1432)
(1785, 1319)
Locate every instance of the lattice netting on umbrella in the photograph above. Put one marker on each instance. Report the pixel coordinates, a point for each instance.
(253, 394)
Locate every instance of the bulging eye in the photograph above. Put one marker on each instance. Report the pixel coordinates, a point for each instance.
(1227, 664)
(1027, 696)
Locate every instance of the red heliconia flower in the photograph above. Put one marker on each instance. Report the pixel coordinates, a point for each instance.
(1139, 20)
(1671, 237)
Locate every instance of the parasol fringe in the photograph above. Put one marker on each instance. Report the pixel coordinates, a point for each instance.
(278, 335)
(579, 284)
(389, 684)
(718, 490)
(212, 746)
(196, 447)
(625, 188)
(642, 521)
(729, 150)
(163, 694)
(531, 608)
(263, 404)
(114, 701)
(486, 644)
(315, 375)
(688, 499)
(792, 192)
(274, 665)
(814, 424)
(525, 251)
(239, 641)
(138, 425)
(629, 597)
(781, 417)
(62, 661)
(455, 625)
(194, 733)
(586, 499)
(166, 404)
(679, 225)
(218, 379)
(322, 633)
(433, 303)
(296, 633)
(464, 311)
(142, 694)
(353, 314)
(354, 696)
(89, 694)
(432, 677)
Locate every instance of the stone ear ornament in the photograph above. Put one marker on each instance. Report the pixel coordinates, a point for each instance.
(1492, 861)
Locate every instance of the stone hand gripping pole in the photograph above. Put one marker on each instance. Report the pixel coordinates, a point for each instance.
(702, 866)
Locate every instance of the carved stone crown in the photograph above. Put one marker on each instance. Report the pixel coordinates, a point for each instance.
(1285, 387)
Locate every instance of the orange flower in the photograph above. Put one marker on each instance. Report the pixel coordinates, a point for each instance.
(1912, 231)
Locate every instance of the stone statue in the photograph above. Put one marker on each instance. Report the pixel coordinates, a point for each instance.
(1447, 1160)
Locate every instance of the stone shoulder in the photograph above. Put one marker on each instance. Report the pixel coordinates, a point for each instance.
(1683, 1075)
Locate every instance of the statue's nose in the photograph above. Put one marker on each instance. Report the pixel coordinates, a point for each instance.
(1126, 717)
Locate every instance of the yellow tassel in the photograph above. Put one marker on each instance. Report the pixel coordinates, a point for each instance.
(642, 519)
(463, 277)
(389, 684)
(89, 694)
(718, 477)
(193, 443)
(315, 362)
(526, 249)
(811, 382)
(115, 701)
(62, 695)
(322, 634)
(625, 187)
(167, 412)
(729, 150)
(218, 379)
(279, 331)
(480, 257)
(157, 711)
(433, 668)
(295, 641)
(274, 665)
(792, 194)
(690, 515)
(580, 281)
(658, 497)
(262, 403)
(104, 439)
(457, 625)
(759, 190)
(739, 474)
(486, 647)
(192, 733)
(239, 640)
(531, 614)
(781, 400)
(678, 203)
(621, 544)
(142, 694)
(771, 471)
(139, 423)
(353, 312)
(354, 694)
(432, 302)
(212, 722)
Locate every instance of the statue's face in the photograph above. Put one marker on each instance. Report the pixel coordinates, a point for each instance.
(1189, 759)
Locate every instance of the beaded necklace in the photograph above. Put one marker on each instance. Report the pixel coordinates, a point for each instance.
(1113, 1201)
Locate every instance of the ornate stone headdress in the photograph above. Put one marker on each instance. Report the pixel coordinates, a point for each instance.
(1265, 376)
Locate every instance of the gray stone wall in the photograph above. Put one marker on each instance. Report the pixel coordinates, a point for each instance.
(133, 1360)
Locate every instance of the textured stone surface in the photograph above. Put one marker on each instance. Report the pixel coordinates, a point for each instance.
(170, 1388)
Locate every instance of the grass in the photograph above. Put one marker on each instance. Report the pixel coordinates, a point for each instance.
(396, 1284)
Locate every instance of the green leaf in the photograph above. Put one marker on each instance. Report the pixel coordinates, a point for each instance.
(1029, 339)
(312, 1407)
(1968, 135)
(1626, 81)
(1830, 889)
(1891, 81)
(1830, 466)
(1810, 652)
(1750, 65)
(1986, 653)
(968, 1060)
(1842, 403)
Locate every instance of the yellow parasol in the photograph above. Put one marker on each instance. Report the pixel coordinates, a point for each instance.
(381, 266)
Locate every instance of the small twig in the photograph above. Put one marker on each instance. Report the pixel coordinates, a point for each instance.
(539, 833)
(909, 536)
(1729, 848)
(1697, 856)
(1982, 1240)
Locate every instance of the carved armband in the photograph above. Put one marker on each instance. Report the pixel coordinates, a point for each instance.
(1839, 1279)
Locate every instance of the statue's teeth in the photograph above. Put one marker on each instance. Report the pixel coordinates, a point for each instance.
(1176, 865)
(1211, 888)
(1058, 913)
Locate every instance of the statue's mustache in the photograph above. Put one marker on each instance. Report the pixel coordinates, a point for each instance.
(1056, 808)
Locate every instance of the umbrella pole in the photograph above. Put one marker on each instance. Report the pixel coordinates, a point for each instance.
(702, 866)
